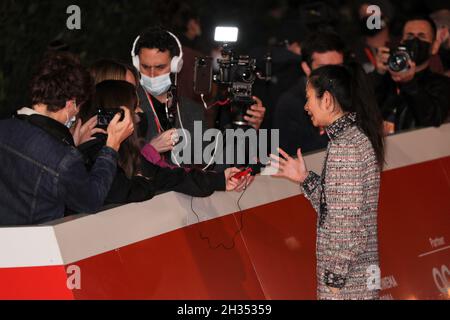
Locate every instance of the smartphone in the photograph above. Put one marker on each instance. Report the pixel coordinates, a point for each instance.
(104, 116)
(243, 173)
(252, 169)
(203, 75)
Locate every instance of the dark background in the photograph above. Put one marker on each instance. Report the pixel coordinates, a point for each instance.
(110, 26)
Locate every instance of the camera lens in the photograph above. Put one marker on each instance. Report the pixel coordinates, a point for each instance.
(398, 61)
(244, 74)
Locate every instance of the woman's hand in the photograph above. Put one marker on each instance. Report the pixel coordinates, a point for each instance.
(164, 141)
(237, 185)
(84, 132)
(288, 167)
(118, 130)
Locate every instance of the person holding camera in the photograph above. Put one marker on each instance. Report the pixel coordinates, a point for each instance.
(409, 93)
(137, 179)
(158, 56)
(42, 172)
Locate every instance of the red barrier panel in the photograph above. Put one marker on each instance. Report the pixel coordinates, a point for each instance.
(273, 257)
(158, 249)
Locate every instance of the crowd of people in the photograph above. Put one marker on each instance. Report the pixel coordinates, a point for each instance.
(59, 158)
(137, 148)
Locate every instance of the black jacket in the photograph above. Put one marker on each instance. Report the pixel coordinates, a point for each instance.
(422, 102)
(42, 173)
(154, 179)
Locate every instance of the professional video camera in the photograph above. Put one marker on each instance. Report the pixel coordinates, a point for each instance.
(237, 73)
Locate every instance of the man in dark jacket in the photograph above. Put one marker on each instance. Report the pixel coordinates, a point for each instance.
(42, 173)
(414, 97)
(296, 129)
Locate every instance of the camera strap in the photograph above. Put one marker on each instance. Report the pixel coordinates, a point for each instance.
(370, 56)
(157, 122)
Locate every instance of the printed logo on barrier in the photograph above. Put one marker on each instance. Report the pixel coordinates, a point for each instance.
(441, 278)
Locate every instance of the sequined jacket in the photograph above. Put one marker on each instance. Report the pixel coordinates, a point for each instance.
(345, 197)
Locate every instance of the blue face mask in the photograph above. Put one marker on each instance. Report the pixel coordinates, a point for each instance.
(158, 85)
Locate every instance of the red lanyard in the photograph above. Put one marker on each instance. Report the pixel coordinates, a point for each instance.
(158, 124)
(369, 55)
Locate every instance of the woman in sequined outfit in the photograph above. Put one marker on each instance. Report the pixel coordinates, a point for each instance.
(345, 195)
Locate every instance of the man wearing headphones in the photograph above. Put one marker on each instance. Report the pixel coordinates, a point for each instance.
(158, 56)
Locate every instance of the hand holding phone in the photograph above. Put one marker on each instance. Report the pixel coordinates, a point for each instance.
(104, 116)
(243, 173)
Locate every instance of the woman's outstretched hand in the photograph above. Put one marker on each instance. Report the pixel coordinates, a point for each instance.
(293, 169)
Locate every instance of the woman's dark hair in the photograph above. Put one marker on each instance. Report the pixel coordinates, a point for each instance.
(111, 94)
(60, 78)
(352, 90)
(107, 69)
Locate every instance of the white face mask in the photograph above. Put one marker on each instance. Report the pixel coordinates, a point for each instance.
(69, 123)
(158, 85)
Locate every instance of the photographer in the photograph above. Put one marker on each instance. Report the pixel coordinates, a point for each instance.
(296, 130)
(410, 95)
(158, 58)
(42, 172)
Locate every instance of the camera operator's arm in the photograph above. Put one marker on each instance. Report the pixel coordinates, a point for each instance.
(255, 114)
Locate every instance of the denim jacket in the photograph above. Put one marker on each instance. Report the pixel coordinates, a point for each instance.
(42, 173)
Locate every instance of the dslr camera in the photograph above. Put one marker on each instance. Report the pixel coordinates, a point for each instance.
(104, 116)
(237, 73)
(399, 59)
